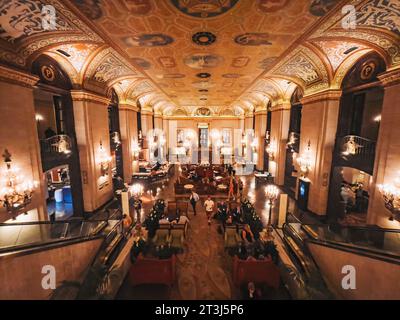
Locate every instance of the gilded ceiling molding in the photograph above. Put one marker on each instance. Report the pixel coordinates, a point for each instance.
(17, 77)
(82, 95)
(305, 65)
(379, 41)
(345, 66)
(67, 67)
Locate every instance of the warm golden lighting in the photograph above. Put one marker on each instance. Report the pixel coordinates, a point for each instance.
(272, 149)
(104, 160)
(16, 192)
(305, 161)
(391, 196)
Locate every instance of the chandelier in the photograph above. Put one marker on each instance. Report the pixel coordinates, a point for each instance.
(391, 197)
(136, 190)
(15, 193)
(305, 161)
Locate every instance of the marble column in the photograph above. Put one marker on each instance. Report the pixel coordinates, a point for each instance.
(387, 152)
(319, 121)
(280, 118)
(129, 138)
(260, 129)
(92, 133)
(18, 134)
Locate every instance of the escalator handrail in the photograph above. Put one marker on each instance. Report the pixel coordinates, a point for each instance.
(92, 235)
(364, 251)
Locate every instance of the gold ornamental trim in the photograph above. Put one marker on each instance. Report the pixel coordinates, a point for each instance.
(322, 96)
(17, 77)
(80, 95)
(390, 78)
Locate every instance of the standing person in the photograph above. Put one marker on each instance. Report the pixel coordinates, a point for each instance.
(209, 205)
(194, 197)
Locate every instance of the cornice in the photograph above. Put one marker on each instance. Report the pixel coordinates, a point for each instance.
(81, 95)
(128, 107)
(390, 78)
(17, 77)
(322, 96)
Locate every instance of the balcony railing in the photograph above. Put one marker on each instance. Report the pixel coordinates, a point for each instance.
(56, 146)
(356, 152)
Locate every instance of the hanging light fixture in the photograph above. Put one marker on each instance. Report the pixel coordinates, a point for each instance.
(15, 192)
(305, 161)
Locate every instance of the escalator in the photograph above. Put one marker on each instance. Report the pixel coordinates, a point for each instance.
(324, 253)
(70, 247)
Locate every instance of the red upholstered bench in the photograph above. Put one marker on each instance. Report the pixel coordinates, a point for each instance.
(257, 271)
(152, 271)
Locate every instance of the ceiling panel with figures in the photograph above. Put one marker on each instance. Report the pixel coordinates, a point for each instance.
(203, 52)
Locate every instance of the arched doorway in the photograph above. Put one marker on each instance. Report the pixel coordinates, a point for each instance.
(357, 133)
(58, 145)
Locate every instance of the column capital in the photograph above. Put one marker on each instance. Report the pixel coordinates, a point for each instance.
(128, 107)
(17, 77)
(82, 95)
(322, 96)
(260, 112)
(281, 105)
(390, 78)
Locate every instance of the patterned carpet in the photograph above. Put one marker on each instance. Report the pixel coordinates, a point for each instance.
(204, 269)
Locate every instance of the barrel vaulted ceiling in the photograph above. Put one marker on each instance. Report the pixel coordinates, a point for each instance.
(176, 56)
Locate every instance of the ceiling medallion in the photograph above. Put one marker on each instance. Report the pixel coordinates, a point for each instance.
(203, 75)
(203, 90)
(204, 38)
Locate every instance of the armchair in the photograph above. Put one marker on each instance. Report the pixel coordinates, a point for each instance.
(161, 237)
(231, 237)
(176, 238)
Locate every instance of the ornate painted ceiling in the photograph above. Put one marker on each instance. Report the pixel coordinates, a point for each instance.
(174, 56)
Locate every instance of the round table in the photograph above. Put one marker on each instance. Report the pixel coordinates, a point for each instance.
(222, 187)
(218, 178)
(188, 186)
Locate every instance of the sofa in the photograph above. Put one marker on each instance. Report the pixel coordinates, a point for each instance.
(152, 271)
(257, 271)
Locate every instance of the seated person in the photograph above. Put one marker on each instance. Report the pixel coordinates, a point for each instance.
(247, 235)
(156, 167)
(164, 220)
(229, 220)
(250, 292)
(183, 219)
(236, 214)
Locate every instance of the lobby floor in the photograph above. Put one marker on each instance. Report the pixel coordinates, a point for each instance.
(204, 269)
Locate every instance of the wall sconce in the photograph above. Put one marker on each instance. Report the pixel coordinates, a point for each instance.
(104, 160)
(391, 197)
(271, 149)
(305, 161)
(15, 193)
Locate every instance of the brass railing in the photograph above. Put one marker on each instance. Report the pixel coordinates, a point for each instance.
(56, 145)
